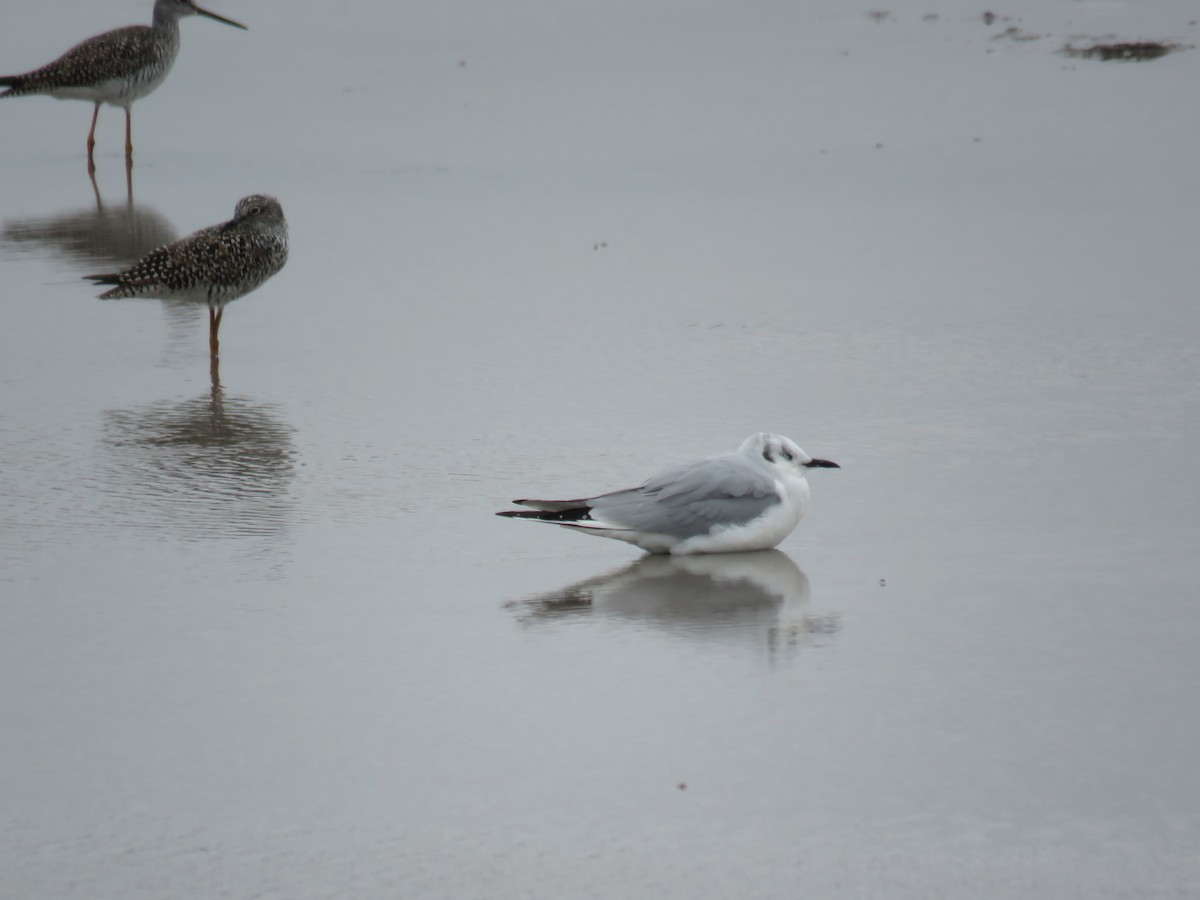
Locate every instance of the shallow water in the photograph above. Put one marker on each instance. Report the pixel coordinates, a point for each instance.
(261, 634)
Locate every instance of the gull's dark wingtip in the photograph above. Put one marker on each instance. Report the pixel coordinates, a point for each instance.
(535, 514)
(574, 514)
(518, 513)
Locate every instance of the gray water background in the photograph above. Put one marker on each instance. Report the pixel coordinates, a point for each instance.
(265, 638)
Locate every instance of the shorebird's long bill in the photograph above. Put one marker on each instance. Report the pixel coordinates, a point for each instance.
(213, 15)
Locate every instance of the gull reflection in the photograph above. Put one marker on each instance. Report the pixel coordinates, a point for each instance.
(216, 466)
(762, 595)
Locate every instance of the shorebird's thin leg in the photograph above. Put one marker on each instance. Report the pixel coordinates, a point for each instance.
(129, 134)
(91, 144)
(95, 188)
(214, 323)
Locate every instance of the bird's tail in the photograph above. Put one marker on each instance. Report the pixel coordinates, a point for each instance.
(565, 513)
(553, 505)
(106, 278)
(14, 83)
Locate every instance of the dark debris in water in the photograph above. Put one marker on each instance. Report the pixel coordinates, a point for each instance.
(1013, 33)
(1124, 51)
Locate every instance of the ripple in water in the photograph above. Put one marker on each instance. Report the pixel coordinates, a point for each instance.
(212, 467)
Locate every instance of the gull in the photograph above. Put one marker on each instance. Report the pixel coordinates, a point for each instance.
(750, 499)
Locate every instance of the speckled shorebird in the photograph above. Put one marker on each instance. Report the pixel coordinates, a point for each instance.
(216, 265)
(116, 67)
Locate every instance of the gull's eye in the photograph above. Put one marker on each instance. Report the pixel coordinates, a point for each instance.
(787, 454)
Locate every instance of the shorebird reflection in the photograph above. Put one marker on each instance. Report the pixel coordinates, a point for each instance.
(763, 595)
(215, 466)
(94, 235)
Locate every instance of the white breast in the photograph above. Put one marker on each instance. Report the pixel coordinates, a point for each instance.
(762, 533)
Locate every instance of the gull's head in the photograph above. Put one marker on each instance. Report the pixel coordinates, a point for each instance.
(783, 454)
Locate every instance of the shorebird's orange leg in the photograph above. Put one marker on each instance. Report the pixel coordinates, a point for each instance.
(91, 144)
(129, 134)
(214, 325)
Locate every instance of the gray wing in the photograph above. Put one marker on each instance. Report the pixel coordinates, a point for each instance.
(690, 499)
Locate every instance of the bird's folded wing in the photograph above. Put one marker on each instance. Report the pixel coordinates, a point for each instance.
(691, 499)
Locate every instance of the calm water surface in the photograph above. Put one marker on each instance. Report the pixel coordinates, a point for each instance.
(260, 633)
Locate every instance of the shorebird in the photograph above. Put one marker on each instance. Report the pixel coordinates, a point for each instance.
(116, 67)
(750, 499)
(216, 265)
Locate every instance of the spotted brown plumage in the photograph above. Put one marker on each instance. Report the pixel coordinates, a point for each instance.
(116, 67)
(214, 266)
(123, 54)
